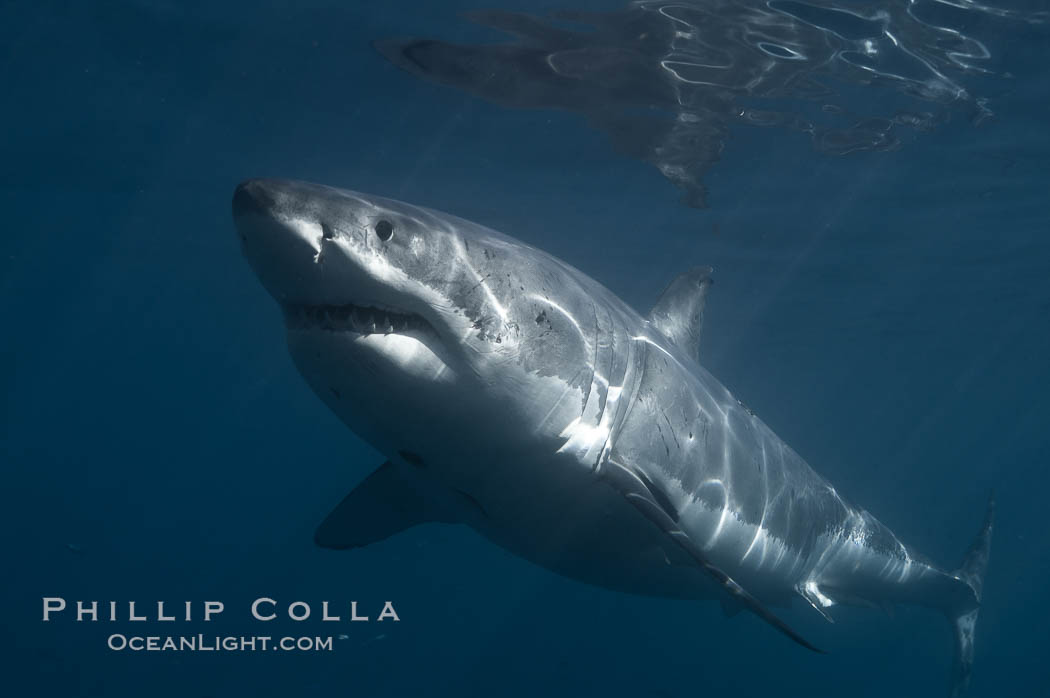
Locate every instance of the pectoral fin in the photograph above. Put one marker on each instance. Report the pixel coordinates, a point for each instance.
(382, 505)
(635, 488)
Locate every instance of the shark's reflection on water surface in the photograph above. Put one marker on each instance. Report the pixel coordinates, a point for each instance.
(666, 80)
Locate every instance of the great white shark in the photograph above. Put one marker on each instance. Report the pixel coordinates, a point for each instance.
(511, 392)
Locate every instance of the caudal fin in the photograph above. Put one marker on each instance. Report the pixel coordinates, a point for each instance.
(964, 617)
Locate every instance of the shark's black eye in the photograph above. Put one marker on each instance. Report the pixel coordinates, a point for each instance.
(385, 230)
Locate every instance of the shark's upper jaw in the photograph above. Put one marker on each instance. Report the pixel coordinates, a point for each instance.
(354, 318)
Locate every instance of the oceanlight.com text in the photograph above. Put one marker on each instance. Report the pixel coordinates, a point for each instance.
(216, 643)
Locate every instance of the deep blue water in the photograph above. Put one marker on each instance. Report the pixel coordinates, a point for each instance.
(886, 313)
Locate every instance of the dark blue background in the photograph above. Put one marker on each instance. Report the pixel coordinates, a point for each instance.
(885, 313)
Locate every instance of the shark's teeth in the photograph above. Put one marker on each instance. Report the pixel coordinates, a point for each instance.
(353, 318)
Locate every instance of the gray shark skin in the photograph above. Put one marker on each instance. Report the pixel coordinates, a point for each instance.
(514, 394)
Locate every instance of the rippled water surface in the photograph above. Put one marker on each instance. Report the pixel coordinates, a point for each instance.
(667, 81)
(869, 181)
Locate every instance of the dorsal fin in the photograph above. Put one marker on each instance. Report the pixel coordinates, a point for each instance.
(679, 314)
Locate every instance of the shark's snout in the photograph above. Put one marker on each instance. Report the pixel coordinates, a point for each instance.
(252, 197)
(280, 241)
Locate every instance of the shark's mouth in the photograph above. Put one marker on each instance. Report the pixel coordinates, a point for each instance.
(359, 319)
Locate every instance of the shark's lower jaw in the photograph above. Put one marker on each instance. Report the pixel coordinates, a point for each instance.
(358, 319)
